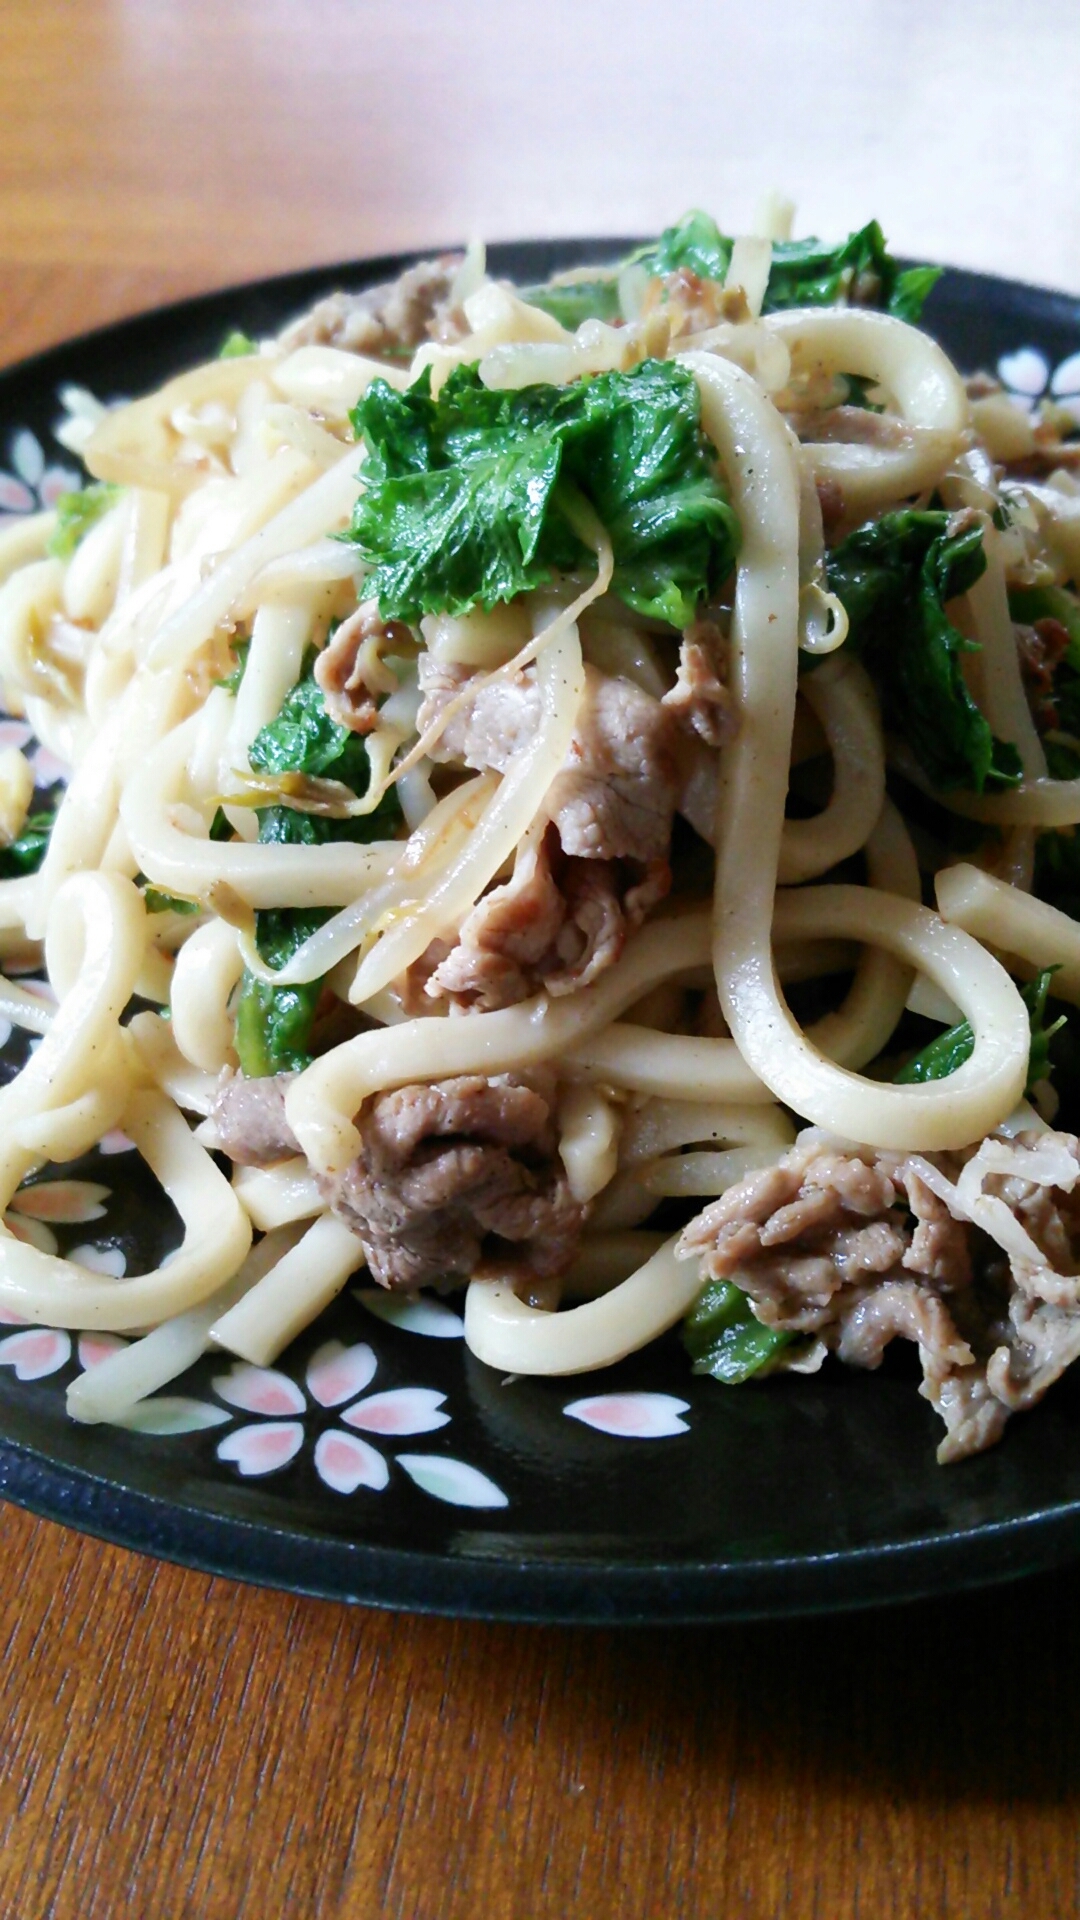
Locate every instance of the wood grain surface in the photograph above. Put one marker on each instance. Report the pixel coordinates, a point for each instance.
(172, 1745)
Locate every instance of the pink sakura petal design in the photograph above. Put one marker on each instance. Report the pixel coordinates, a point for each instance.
(263, 1448)
(35, 986)
(402, 1410)
(336, 1373)
(35, 1352)
(345, 1463)
(15, 733)
(70, 1202)
(9, 1319)
(452, 1480)
(115, 1142)
(14, 497)
(110, 1260)
(33, 1233)
(27, 457)
(55, 481)
(48, 769)
(631, 1416)
(1026, 371)
(96, 1347)
(259, 1390)
(413, 1313)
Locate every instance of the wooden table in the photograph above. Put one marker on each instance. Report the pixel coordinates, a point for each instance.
(173, 1745)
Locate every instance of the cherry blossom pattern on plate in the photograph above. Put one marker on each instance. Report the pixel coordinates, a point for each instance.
(30, 483)
(1027, 377)
(631, 1416)
(337, 1378)
(37, 1207)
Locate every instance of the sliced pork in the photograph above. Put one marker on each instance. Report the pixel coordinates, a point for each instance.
(249, 1119)
(557, 924)
(348, 669)
(614, 798)
(859, 1248)
(700, 701)
(414, 307)
(451, 1172)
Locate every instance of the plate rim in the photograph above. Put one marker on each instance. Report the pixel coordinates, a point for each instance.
(522, 1588)
(589, 1592)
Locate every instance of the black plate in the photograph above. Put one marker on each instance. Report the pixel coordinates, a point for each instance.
(796, 1495)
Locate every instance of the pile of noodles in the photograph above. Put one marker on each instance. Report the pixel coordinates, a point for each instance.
(235, 479)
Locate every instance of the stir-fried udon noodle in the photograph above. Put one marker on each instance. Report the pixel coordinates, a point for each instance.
(533, 886)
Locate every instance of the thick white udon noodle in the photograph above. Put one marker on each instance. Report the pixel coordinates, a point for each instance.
(156, 748)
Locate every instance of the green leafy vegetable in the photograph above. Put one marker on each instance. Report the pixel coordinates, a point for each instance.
(1030, 604)
(236, 346)
(950, 1049)
(274, 1024)
(305, 739)
(894, 577)
(157, 902)
(27, 851)
(804, 273)
(572, 301)
(231, 681)
(723, 1338)
(469, 497)
(76, 513)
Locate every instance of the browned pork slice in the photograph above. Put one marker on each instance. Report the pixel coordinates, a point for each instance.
(1041, 649)
(414, 307)
(614, 798)
(344, 676)
(249, 1116)
(558, 923)
(854, 1246)
(451, 1172)
(700, 700)
(598, 861)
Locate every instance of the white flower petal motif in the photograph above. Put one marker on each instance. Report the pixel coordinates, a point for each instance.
(336, 1373)
(69, 1202)
(345, 1463)
(115, 1142)
(14, 733)
(14, 497)
(259, 1390)
(39, 989)
(401, 1410)
(27, 457)
(1065, 379)
(413, 1313)
(631, 1416)
(264, 1448)
(48, 768)
(452, 1480)
(1025, 371)
(5, 1031)
(35, 1352)
(110, 1260)
(34, 1232)
(96, 1347)
(169, 1413)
